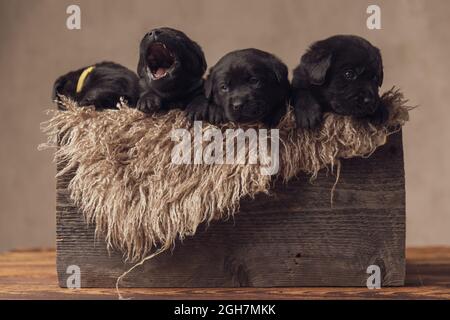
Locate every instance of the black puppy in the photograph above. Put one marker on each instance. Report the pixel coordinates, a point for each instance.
(341, 74)
(244, 86)
(101, 85)
(171, 67)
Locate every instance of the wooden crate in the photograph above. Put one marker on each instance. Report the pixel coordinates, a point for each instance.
(292, 238)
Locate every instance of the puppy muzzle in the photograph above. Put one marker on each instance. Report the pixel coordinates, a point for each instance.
(248, 111)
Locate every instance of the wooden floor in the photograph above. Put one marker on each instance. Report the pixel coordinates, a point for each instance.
(31, 274)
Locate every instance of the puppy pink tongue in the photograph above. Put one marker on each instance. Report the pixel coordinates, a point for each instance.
(160, 72)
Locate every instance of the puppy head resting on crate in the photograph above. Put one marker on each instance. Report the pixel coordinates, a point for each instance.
(244, 86)
(341, 74)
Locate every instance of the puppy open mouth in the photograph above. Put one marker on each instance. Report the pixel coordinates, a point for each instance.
(160, 60)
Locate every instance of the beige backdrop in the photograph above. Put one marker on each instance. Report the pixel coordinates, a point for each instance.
(36, 47)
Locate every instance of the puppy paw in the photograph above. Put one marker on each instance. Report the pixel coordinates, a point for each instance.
(380, 117)
(307, 118)
(57, 89)
(216, 114)
(197, 110)
(203, 111)
(149, 103)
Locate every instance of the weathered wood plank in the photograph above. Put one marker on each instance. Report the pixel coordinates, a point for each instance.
(291, 238)
(31, 274)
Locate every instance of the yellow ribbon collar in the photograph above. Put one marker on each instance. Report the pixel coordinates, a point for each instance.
(83, 77)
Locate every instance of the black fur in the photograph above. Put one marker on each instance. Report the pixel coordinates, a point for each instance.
(103, 87)
(341, 74)
(244, 86)
(171, 67)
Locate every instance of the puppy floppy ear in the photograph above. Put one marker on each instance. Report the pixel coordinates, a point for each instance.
(316, 63)
(379, 62)
(142, 64)
(281, 72)
(209, 85)
(141, 67)
(201, 56)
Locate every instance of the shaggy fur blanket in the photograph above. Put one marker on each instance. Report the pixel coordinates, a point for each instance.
(125, 182)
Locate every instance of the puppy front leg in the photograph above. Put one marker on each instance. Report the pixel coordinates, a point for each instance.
(308, 112)
(149, 102)
(200, 109)
(216, 114)
(197, 109)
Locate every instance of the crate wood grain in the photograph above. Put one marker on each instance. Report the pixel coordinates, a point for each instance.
(290, 238)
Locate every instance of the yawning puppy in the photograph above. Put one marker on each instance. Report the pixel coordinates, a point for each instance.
(244, 86)
(101, 85)
(170, 68)
(341, 74)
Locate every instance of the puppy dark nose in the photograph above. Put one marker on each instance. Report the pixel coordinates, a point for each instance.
(237, 104)
(154, 33)
(367, 100)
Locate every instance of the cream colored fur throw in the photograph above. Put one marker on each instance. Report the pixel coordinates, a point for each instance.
(125, 182)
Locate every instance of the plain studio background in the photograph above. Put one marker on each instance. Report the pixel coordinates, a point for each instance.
(36, 47)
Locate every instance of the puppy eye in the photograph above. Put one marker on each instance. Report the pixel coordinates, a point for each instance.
(254, 81)
(224, 88)
(350, 75)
